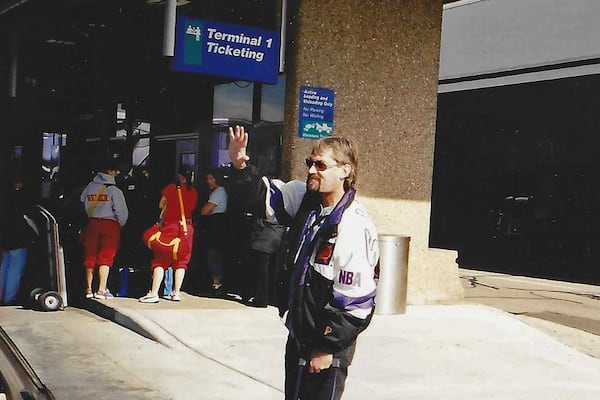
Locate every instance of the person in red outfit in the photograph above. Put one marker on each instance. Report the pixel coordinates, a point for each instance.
(107, 212)
(163, 257)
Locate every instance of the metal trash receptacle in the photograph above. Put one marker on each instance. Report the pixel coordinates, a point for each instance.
(393, 274)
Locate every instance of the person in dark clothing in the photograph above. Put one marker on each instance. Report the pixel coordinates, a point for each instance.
(256, 239)
(18, 233)
(332, 258)
(265, 240)
(215, 222)
(243, 208)
(133, 256)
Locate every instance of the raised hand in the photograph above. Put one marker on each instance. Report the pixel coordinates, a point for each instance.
(238, 141)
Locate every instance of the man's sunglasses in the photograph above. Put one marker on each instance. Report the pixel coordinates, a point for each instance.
(319, 164)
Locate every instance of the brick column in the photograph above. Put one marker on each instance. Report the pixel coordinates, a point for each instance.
(381, 59)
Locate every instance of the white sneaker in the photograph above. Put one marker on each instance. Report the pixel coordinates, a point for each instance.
(105, 295)
(149, 298)
(175, 297)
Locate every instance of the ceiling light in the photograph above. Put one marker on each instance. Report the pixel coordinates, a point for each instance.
(179, 2)
(62, 42)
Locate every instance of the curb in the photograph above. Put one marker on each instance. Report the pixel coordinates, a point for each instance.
(135, 322)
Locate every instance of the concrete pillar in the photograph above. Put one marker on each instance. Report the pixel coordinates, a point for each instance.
(381, 59)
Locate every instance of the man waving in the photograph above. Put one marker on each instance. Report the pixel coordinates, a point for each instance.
(332, 257)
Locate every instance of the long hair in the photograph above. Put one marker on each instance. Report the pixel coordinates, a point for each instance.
(343, 152)
(186, 171)
(218, 175)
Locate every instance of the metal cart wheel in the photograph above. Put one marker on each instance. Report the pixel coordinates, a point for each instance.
(34, 295)
(50, 301)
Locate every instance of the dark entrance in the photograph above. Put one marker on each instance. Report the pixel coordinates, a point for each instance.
(517, 178)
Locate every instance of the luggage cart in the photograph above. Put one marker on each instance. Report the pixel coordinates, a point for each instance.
(50, 295)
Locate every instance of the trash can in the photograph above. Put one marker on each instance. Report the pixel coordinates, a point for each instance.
(393, 273)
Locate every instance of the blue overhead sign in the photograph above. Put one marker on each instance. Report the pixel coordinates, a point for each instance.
(316, 112)
(232, 51)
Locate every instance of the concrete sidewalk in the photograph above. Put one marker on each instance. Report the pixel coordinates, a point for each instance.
(460, 351)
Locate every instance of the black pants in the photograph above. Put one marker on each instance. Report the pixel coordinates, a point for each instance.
(256, 277)
(262, 262)
(326, 385)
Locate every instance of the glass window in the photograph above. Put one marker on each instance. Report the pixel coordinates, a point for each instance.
(233, 100)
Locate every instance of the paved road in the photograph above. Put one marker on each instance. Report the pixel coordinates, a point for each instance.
(568, 311)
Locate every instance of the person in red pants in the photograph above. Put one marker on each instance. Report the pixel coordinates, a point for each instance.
(107, 213)
(165, 256)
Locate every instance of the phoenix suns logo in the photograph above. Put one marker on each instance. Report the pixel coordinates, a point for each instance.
(325, 253)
